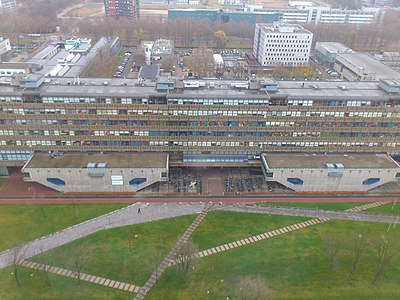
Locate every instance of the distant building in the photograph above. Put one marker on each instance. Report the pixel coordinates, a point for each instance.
(282, 44)
(215, 15)
(327, 51)
(4, 45)
(362, 67)
(8, 6)
(127, 9)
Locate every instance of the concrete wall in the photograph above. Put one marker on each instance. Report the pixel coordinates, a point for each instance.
(319, 181)
(78, 180)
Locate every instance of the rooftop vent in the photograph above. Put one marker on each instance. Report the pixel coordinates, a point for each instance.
(329, 165)
(91, 165)
(102, 165)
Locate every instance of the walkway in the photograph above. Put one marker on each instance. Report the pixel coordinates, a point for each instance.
(170, 257)
(276, 232)
(85, 277)
(122, 217)
(352, 215)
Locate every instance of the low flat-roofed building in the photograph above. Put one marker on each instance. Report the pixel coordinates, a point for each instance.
(303, 172)
(90, 172)
(362, 67)
(327, 51)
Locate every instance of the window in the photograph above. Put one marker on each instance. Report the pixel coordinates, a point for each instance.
(371, 181)
(137, 181)
(295, 181)
(56, 181)
(164, 174)
(269, 174)
(397, 175)
(117, 180)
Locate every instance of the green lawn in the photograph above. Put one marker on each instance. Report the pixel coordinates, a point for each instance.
(294, 265)
(24, 222)
(390, 208)
(316, 205)
(2, 181)
(220, 227)
(107, 254)
(34, 287)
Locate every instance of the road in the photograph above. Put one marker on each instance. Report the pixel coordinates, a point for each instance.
(163, 199)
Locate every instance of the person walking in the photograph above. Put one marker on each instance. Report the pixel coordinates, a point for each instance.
(138, 210)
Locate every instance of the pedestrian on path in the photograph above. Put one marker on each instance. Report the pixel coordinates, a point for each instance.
(138, 210)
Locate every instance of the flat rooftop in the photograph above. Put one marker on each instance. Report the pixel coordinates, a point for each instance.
(370, 64)
(318, 161)
(114, 160)
(334, 47)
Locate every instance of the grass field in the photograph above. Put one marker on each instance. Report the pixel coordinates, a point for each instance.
(391, 208)
(294, 265)
(321, 205)
(34, 287)
(220, 227)
(24, 222)
(107, 253)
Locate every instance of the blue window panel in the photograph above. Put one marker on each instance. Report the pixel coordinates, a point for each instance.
(295, 181)
(95, 174)
(371, 181)
(56, 181)
(335, 174)
(137, 181)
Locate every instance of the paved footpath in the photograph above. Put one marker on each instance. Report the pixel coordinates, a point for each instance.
(170, 257)
(276, 232)
(84, 277)
(353, 215)
(125, 216)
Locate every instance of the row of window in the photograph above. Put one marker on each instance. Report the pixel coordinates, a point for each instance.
(201, 143)
(269, 113)
(88, 133)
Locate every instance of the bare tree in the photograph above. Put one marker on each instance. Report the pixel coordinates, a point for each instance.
(383, 258)
(186, 258)
(358, 248)
(201, 62)
(16, 255)
(332, 246)
(252, 288)
(46, 265)
(220, 39)
(79, 259)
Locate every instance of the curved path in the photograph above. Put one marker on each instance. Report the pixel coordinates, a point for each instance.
(312, 213)
(156, 211)
(125, 216)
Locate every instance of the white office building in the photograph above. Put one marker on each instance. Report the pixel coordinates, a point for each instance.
(282, 44)
(4, 45)
(8, 6)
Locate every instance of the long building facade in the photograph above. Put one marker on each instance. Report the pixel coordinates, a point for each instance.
(214, 117)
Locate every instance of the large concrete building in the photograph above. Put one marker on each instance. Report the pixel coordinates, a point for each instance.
(330, 172)
(297, 14)
(216, 15)
(8, 6)
(97, 172)
(222, 118)
(122, 9)
(282, 44)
